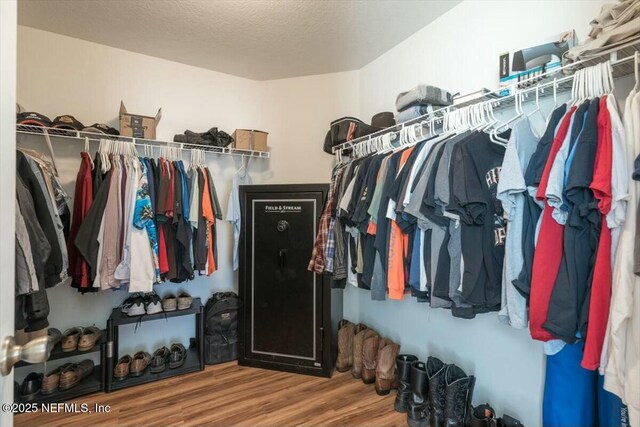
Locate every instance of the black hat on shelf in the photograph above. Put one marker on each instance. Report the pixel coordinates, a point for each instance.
(101, 128)
(33, 119)
(383, 120)
(67, 122)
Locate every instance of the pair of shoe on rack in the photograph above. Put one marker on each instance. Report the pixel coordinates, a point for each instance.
(61, 378)
(369, 356)
(135, 366)
(139, 304)
(437, 394)
(181, 302)
(76, 338)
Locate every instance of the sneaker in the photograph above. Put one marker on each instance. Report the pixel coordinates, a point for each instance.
(133, 306)
(170, 303)
(184, 301)
(152, 303)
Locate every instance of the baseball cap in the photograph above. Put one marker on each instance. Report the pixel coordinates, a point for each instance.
(33, 119)
(67, 122)
(101, 128)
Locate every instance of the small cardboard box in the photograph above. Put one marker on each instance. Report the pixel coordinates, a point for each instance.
(138, 126)
(250, 139)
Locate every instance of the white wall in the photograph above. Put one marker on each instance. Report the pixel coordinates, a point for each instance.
(459, 52)
(62, 75)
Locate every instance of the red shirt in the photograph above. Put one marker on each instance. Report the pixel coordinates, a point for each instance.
(548, 254)
(83, 198)
(601, 284)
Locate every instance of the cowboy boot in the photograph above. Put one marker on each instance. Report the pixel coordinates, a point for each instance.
(345, 345)
(386, 375)
(483, 416)
(458, 397)
(369, 356)
(417, 409)
(437, 391)
(403, 367)
(358, 340)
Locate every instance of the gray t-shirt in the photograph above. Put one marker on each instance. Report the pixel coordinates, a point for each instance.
(511, 193)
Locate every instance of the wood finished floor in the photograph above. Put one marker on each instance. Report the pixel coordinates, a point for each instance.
(231, 395)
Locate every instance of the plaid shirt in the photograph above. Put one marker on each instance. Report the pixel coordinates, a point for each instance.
(323, 240)
(330, 250)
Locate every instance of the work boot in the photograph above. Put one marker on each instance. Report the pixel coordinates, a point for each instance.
(345, 345)
(418, 407)
(369, 356)
(483, 416)
(358, 340)
(386, 378)
(437, 391)
(457, 409)
(403, 367)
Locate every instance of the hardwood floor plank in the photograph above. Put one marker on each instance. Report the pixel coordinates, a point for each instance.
(232, 395)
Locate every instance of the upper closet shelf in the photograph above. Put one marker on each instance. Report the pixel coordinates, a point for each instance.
(138, 142)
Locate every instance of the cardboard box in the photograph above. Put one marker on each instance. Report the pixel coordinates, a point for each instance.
(250, 139)
(138, 126)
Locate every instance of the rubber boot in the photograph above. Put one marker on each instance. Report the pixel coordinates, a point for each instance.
(457, 409)
(403, 367)
(358, 340)
(437, 391)
(370, 348)
(386, 377)
(345, 345)
(418, 407)
(483, 416)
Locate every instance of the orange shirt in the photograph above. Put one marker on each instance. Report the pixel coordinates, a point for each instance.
(207, 213)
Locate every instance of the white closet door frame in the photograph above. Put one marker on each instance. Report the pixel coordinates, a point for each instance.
(8, 65)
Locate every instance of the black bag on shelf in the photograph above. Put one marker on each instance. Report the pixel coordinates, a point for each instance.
(221, 328)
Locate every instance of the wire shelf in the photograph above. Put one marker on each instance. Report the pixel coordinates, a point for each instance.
(138, 142)
(622, 64)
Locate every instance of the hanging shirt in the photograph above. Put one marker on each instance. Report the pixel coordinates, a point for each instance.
(234, 215)
(143, 217)
(83, 198)
(207, 213)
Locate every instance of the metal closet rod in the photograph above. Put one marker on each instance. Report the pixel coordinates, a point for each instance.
(498, 99)
(138, 142)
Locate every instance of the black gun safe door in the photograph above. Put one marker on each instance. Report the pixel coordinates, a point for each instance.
(285, 317)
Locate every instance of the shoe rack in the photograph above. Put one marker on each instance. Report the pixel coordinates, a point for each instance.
(91, 384)
(195, 353)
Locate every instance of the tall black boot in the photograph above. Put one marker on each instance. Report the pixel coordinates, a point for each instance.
(403, 366)
(418, 411)
(458, 398)
(437, 391)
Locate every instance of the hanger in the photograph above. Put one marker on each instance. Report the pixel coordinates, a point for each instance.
(537, 109)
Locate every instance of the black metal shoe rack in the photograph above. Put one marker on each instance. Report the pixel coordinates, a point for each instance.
(91, 384)
(195, 353)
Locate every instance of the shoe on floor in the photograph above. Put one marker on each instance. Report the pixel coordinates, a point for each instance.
(159, 360)
(184, 301)
(30, 387)
(139, 363)
(133, 306)
(71, 375)
(152, 303)
(170, 303)
(178, 356)
(90, 336)
(121, 371)
(51, 380)
(70, 339)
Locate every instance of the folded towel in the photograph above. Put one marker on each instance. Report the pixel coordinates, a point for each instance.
(413, 112)
(422, 95)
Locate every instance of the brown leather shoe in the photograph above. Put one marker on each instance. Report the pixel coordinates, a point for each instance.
(121, 371)
(74, 373)
(386, 378)
(345, 345)
(70, 339)
(90, 336)
(358, 340)
(369, 356)
(139, 363)
(51, 380)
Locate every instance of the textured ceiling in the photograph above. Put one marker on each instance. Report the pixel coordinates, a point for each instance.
(258, 39)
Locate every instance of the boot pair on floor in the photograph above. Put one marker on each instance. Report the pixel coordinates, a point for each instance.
(368, 356)
(435, 394)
